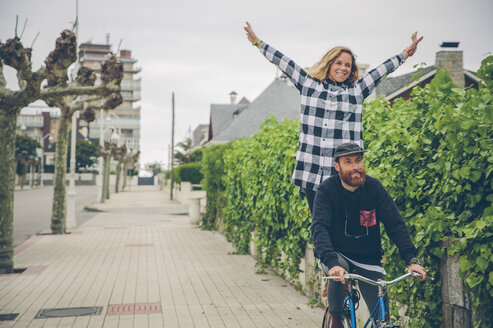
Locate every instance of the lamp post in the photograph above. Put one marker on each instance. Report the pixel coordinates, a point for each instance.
(50, 137)
(99, 180)
(71, 223)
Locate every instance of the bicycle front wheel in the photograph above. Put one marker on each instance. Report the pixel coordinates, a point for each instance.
(327, 319)
(327, 323)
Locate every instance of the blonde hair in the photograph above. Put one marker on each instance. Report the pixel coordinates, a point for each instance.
(320, 70)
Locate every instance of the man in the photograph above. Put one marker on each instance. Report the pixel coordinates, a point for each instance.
(347, 213)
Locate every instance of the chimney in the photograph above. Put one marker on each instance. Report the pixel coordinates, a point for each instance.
(233, 94)
(452, 60)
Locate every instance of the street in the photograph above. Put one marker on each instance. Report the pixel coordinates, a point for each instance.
(32, 209)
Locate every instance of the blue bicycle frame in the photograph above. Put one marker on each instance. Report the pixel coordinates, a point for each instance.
(380, 305)
(349, 301)
(378, 313)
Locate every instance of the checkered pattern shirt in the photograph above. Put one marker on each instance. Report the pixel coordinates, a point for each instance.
(331, 114)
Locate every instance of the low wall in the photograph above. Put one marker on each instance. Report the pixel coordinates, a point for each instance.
(184, 192)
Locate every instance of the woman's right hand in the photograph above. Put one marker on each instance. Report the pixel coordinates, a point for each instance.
(250, 34)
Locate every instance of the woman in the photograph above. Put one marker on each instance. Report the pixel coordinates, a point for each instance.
(332, 98)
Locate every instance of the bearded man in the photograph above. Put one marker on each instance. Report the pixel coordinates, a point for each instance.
(347, 213)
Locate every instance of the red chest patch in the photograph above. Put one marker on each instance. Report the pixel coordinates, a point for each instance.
(367, 218)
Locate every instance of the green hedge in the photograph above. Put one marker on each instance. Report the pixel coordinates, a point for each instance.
(188, 172)
(434, 153)
(261, 198)
(213, 172)
(435, 156)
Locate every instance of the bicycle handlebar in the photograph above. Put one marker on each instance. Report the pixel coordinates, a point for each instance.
(379, 282)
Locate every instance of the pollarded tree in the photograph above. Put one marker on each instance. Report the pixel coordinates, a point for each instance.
(129, 164)
(54, 70)
(107, 95)
(106, 152)
(119, 156)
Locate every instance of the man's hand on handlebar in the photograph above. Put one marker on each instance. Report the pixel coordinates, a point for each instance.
(338, 271)
(417, 268)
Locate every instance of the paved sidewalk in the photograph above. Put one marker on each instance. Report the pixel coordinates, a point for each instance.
(143, 264)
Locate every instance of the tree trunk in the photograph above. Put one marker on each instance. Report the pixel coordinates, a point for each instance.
(7, 186)
(58, 219)
(22, 180)
(31, 179)
(118, 173)
(125, 174)
(107, 167)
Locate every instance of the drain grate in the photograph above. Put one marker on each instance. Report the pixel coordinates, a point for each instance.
(8, 316)
(69, 312)
(137, 308)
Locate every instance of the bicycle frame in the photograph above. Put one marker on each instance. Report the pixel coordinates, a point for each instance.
(383, 311)
(349, 299)
(379, 311)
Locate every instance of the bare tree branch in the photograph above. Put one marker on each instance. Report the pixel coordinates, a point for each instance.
(35, 38)
(23, 28)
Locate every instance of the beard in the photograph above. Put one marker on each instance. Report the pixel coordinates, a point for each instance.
(354, 178)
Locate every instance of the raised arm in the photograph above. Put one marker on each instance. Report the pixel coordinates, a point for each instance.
(409, 51)
(293, 71)
(376, 75)
(250, 34)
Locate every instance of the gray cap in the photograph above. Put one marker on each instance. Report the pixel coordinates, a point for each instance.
(347, 149)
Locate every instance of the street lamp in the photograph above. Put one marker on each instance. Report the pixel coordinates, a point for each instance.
(50, 138)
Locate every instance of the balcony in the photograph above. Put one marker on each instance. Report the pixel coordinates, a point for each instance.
(132, 70)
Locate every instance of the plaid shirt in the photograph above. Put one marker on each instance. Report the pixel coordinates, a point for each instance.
(331, 114)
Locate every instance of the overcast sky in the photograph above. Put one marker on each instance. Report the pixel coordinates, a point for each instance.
(199, 50)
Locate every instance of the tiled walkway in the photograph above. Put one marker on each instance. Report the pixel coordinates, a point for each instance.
(146, 266)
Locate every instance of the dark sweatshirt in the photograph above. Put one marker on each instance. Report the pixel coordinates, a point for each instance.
(364, 208)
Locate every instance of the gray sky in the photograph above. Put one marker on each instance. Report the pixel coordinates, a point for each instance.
(198, 49)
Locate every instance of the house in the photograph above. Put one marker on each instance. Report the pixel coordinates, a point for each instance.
(448, 57)
(221, 114)
(200, 136)
(280, 99)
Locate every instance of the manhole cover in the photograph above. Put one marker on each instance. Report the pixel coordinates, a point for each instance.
(69, 312)
(8, 316)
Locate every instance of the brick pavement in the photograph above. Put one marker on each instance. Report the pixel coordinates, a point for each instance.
(143, 263)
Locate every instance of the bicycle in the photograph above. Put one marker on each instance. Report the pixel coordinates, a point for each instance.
(377, 317)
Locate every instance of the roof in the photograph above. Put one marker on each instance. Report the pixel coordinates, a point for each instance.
(222, 114)
(280, 99)
(392, 84)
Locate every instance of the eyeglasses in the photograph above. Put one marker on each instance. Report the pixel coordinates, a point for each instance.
(351, 236)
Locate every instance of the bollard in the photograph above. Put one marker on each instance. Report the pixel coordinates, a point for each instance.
(194, 211)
